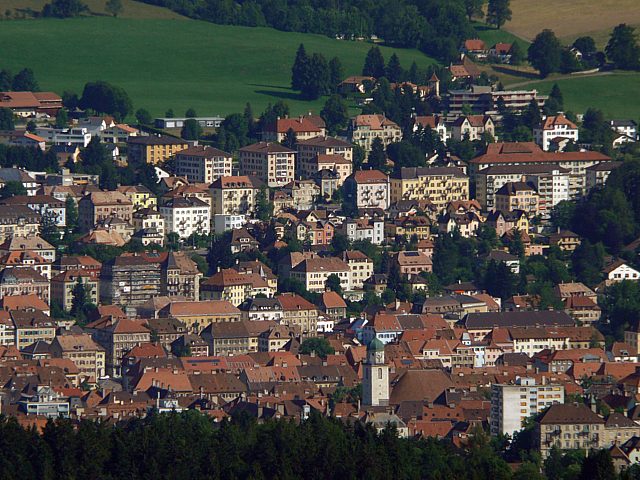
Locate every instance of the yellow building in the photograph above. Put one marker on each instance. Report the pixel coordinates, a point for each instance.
(153, 149)
(441, 185)
(140, 196)
(88, 356)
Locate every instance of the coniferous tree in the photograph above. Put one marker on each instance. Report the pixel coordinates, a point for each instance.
(290, 139)
(264, 208)
(336, 73)
(377, 158)
(25, 80)
(48, 229)
(394, 71)
(373, 63)
(5, 80)
(317, 82)
(335, 114)
(300, 69)
(6, 119)
(81, 298)
(71, 214)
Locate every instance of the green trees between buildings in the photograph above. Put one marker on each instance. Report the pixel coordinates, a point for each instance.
(106, 98)
(313, 76)
(319, 345)
(6, 119)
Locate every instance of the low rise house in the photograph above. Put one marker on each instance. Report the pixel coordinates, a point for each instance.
(472, 127)
(618, 271)
(305, 127)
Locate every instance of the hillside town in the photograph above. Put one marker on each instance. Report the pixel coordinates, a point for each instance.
(316, 268)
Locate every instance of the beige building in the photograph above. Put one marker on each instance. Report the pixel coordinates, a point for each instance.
(198, 315)
(413, 263)
(473, 127)
(100, 206)
(314, 272)
(441, 185)
(229, 284)
(364, 128)
(233, 195)
(235, 338)
(62, 286)
(517, 196)
(296, 311)
(153, 149)
(18, 220)
(361, 267)
(32, 326)
(117, 336)
(304, 127)
(87, 355)
(272, 163)
(320, 153)
(203, 164)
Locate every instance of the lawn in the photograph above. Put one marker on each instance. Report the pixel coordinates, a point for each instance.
(175, 64)
(491, 36)
(616, 94)
(570, 19)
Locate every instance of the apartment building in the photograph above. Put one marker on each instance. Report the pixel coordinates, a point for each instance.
(84, 352)
(482, 99)
(63, 284)
(129, 281)
(528, 153)
(18, 220)
(552, 183)
(597, 175)
(298, 312)
(228, 284)
(364, 128)
(186, 216)
(139, 196)
(367, 189)
(517, 196)
(32, 326)
(320, 153)
(96, 207)
(360, 265)
(203, 164)
(153, 149)
(440, 185)
(512, 404)
(314, 272)
(271, 162)
(198, 315)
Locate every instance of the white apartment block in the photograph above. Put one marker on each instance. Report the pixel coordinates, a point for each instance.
(371, 229)
(512, 404)
(186, 216)
(65, 136)
(272, 163)
(222, 222)
(552, 183)
(203, 164)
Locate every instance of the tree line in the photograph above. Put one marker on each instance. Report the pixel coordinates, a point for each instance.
(191, 445)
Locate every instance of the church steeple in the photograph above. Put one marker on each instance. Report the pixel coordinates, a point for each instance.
(375, 385)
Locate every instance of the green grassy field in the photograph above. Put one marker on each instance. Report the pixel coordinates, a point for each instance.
(130, 9)
(491, 36)
(175, 64)
(615, 94)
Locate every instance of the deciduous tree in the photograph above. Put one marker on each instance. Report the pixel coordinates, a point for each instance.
(623, 49)
(498, 13)
(545, 53)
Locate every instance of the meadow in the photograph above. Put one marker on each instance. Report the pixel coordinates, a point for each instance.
(616, 94)
(571, 19)
(175, 63)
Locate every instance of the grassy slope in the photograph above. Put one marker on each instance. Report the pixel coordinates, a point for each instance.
(131, 9)
(491, 36)
(570, 19)
(615, 94)
(175, 63)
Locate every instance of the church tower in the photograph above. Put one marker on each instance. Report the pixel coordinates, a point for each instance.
(375, 385)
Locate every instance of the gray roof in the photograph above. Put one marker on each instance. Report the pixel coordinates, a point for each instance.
(517, 319)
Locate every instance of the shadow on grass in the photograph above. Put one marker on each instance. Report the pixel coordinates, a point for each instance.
(516, 73)
(282, 95)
